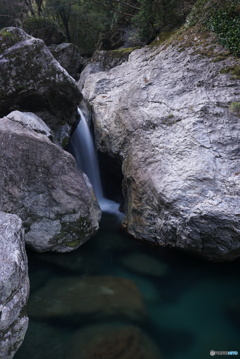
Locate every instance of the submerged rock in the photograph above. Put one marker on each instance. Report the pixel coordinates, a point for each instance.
(166, 113)
(144, 264)
(111, 342)
(32, 80)
(14, 285)
(42, 184)
(43, 338)
(91, 297)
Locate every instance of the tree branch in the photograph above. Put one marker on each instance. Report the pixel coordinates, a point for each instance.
(109, 7)
(126, 4)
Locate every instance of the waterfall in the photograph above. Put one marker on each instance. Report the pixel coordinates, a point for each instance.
(83, 149)
(85, 154)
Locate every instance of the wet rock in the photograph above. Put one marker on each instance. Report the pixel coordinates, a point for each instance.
(165, 112)
(144, 264)
(111, 342)
(14, 285)
(89, 297)
(43, 185)
(32, 80)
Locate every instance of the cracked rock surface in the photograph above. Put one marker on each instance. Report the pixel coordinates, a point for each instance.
(32, 80)
(166, 113)
(42, 184)
(14, 285)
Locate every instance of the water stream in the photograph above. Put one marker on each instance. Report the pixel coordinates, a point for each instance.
(116, 297)
(83, 149)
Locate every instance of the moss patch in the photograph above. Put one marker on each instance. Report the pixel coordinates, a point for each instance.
(234, 108)
(65, 142)
(74, 234)
(8, 38)
(233, 70)
(221, 17)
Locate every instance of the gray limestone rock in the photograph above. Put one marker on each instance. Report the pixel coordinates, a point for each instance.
(68, 55)
(42, 184)
(30, 121)
(14, 285)
(166, 113)
(32, 80)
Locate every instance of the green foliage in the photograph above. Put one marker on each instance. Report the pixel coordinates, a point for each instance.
(33, 24)
(8, 13)
(221, 17)
(155, 16)
(89, 23)
(226, 24)
(234, 108)
(233, 70)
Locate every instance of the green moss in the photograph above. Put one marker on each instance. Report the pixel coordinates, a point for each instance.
(164, 37)
(73, 234)
(8, 38)
(124, 50)
(234, 108)
(220, 58)
(233, 70)
(221, 17)
(65, 142)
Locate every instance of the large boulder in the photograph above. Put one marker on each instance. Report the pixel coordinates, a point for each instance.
(42, 184)
(32, 80)
(14, 285)
(167, 113)
(68, 55)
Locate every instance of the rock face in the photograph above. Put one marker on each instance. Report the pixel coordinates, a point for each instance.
(32, 80)
(166, 113)
(110, 59)
(42, 184)
(68, 55)
(14, 285)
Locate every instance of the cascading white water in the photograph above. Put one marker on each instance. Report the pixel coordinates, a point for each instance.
(83, 149)
(86, 156)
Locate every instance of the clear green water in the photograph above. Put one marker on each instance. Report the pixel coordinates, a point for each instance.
(191, 306)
